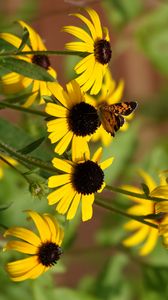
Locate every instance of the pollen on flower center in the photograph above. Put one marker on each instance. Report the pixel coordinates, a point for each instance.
(42, 61)
(102, 51)
(83, 119)
(49, 253)
(87, 177)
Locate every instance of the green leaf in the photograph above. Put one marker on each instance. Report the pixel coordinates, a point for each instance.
(32, 146)
(25, 38)
(155, 279)
(145, 189)
(26, 69)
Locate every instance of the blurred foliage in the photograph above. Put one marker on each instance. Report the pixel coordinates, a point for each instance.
(120, 12)
(152, 35)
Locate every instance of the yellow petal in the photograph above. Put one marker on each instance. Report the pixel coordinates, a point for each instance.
(24, 234)
(21, 247)
(150, 243)
(58, 180)
(97, 155)
(99, 69)
(56, 110)
(55, 196)
(79, 46)
(79, 33)
(62, 165)
(65, 202)
(22, 266)
(116, 95)
(73, 208)
(35, 40)
(41, 226)
(74, 93)
(31, 274)
(137, 237)
(80, 149)
(30, 100)
(57, 90)
(13, 40)
(87, 209)
(105, 164)
(132, 225)
(148, 180)
(89, 25)
(160, 192)
(96, 22)
(54, 228)
(64, 143)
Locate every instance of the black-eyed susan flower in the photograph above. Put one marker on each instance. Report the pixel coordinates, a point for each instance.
(4, 165)
(109, 93)
(43, 249)
(12, 82)
(97, 50)
(78, 183)
(143, 235)
(162, 209)
(74, 121)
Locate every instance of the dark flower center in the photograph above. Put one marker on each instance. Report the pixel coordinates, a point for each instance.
(83, 119)
(87, 177)
(49, 253)
(102, 51)
(42, 61)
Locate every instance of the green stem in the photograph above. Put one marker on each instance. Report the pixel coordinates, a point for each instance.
(24, 109)
(113, 209)
(132, 194)
(50, 52)
(27, 159)
(13, 167)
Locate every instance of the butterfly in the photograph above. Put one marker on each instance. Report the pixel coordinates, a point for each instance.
(111, 116)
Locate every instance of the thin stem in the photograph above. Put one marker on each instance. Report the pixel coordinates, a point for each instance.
(132, 194)
(50, 52)
(24, 109)
(116, 210)
(13, 167)
(27, 159)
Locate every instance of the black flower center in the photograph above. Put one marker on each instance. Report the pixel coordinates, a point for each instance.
(42, 61)
(83, 119)
(102, 51)
(49, 253)
(87, 177)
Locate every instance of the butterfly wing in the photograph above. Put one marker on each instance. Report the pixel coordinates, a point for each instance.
(124, 108)
(111, 116)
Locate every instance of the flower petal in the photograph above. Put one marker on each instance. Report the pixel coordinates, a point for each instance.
(21, 247)
(58, 180)
(150, 243)
(73, 208)
(137, 237)
(24, 234)
(87, 209)
(105, 164)
(56, 110)
(64, 143)
(56, 232)
(62, 165)
(80, 149)
(41, 226)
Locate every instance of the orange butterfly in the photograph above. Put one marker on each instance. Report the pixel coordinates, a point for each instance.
(111, 116)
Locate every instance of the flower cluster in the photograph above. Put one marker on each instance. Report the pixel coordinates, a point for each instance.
(87, 110)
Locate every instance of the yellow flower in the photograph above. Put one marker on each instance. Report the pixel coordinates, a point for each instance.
(142, 235)
(13, 82)
(4, 165)
(110, 94)
(80, 180)
(162, 208)
(75, 119)
(97, 50)
(44, 250)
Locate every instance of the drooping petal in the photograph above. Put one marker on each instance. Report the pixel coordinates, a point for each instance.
(79, 33)
(21, 247)
(87, 209)
(96, 22)
(74, 206)
(41, 225)
(80, 149)
(150, 243)
(89, 25)
(24, 234)
(65, 202)
(137, 237)
(22, 266)
(64, 143)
